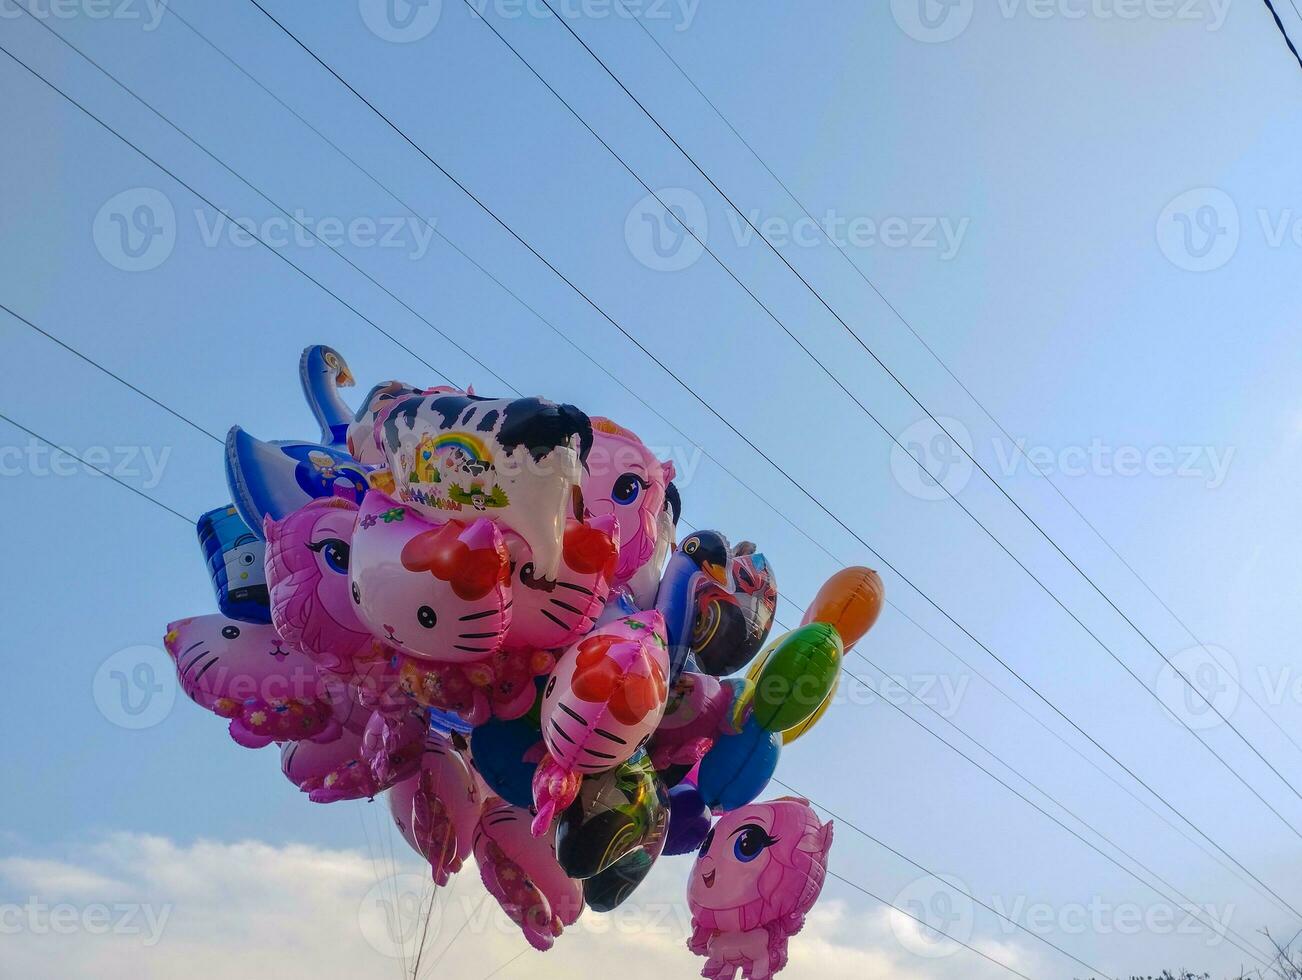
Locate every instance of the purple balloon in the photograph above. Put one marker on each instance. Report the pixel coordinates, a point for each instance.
(689, 820)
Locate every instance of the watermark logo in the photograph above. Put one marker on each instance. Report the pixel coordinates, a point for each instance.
(1198, 231)
(135, 231)
(933, 917)
(661, 241)
(1213, 671)
(133, 688)
(933, 21)
(400, 914)
(928, 460)
(400, 21)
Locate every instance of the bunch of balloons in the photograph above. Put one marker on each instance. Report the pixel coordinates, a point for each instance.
(479, 608)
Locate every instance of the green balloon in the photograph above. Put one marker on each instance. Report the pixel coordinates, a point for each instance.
(797, 677)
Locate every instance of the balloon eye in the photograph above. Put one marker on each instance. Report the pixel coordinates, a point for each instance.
(426, 617)
(690, 546)
(628, 488)
(335, 552)
(246, 559)
(705, 844)
(230, 632)
(526, 572)
(751, 842)
(551, 686)
(357, 594)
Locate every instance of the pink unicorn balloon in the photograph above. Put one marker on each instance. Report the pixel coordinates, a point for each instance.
(552, 613)
(603, 702)
(436, 591)
(625, 480)
(522, 873)
(246, 673)
(438, 809)
(308, 554)
(759, 871)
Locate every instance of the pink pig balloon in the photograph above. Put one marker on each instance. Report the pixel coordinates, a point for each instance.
(624, 480)
(308, 553)
(436, 591)
(245, 672)
(603, 702)
(522, 873)
(759, 871)
(438, 809)
(551, 613)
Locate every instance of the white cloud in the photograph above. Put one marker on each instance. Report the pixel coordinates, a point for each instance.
(140, 907)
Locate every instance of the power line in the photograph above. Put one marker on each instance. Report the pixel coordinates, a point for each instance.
(1014, 443)
(343, 302)
(926, 925)
(262, 194)
(1280, 24)
(1049, 796)
(116, 377)
(697, 397)
(931, 874)
(118, 480)
(895, 439)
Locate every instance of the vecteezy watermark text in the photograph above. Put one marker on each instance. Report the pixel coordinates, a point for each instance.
(39, 459)
(148, 12)
(40, 918)
(932, 461)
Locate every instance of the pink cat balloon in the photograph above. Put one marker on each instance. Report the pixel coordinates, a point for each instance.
(438, 809)
(522, 873)
(358, 767)
(759, 871)
(245, 672)
(308, 554)
(551, 613)
(624, 479)
(435, 591)
(603, 702)
(307, 764)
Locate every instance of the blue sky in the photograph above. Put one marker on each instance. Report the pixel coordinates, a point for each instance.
(1065, 156)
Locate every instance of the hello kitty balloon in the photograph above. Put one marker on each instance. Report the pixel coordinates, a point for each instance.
(601, 705)
(759, 871)
(435, 591)
(550, 613)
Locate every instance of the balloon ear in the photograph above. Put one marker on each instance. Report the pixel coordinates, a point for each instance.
(669, 472)
(817, 841)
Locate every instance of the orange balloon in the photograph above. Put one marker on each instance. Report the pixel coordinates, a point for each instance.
(850, 600)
